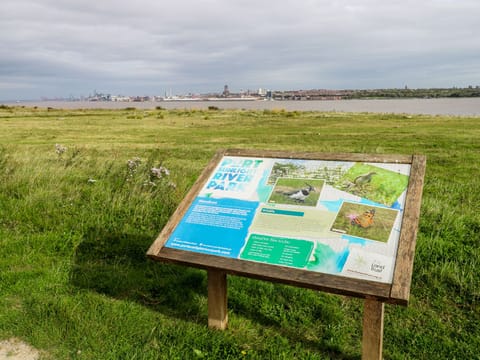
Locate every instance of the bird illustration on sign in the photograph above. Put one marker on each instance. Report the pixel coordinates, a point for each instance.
(364, 179)
(299, 195)
(358, 185)
(374, 183)
(305, 192)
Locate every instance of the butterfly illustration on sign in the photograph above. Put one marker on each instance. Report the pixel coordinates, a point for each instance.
(364, 220)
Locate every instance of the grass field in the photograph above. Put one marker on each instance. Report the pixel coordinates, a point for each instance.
(77, 219)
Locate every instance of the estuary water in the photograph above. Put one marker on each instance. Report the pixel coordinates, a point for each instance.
(443, 106)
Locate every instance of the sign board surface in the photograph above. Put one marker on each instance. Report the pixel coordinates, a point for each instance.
(326, 221)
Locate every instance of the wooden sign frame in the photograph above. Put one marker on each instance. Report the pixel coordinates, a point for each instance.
(375, 293)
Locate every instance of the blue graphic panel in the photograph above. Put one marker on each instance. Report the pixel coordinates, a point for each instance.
(214, 226)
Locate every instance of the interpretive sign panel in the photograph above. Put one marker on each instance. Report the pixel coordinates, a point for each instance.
(345, 223)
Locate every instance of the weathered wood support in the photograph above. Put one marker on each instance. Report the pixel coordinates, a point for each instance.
(217, 299)
(372, 341)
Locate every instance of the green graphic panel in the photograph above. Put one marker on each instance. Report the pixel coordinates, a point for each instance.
(277, 250)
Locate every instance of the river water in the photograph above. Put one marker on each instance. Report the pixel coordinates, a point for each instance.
(444, 106)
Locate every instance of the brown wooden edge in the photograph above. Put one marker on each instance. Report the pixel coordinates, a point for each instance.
(298, 277)
(280, 274)
(402, 274)
(357, 157)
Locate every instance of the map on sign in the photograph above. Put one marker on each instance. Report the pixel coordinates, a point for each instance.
(335, 217)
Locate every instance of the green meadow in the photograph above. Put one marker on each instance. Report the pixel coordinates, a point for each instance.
(79, 207)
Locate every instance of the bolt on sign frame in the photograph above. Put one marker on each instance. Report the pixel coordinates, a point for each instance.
(340, 223)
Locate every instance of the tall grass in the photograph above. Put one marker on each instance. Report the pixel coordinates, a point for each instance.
(75, 226)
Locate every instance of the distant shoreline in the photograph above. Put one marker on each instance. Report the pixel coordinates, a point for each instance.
(438, 106)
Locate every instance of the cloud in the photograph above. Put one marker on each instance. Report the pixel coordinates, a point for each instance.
(56, 48)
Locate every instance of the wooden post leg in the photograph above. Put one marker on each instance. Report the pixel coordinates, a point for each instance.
(217, 299)
(372, 342)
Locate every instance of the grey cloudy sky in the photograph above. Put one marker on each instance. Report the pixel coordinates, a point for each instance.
(145, 47)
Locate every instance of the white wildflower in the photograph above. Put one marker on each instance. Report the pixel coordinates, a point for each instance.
(60, 149)
(149, 183)
(159, 172)
(132, 165)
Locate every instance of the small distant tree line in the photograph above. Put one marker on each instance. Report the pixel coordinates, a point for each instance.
(416, 93)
